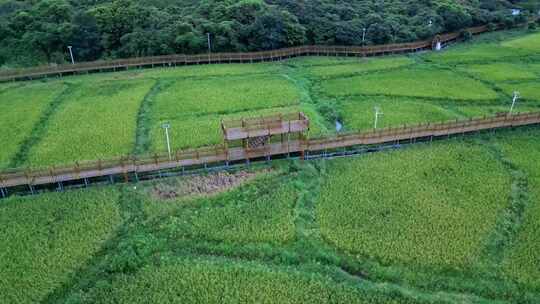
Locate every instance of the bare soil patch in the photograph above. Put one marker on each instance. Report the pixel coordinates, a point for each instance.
(202, 185)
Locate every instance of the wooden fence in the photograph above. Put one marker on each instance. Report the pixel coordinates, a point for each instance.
(216, 154)
(173, 60)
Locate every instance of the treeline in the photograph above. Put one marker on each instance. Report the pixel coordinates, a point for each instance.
(39, 31)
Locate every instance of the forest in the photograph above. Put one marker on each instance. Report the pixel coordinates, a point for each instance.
(37, 32)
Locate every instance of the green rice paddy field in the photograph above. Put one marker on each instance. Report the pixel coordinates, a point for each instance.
(455, 221)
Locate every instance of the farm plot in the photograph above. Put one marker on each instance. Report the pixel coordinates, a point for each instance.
(358, 114)
(257, 212)
(497, 72)
(224, 95)
(361, 65)
(522, 263)
(529, 42)
(493, 109)
(428, 206)
(528, 90)
(195, 131)
(22, 109)
(46, 239)
(97, 120)
(222, 281)
(418, 82)
(488, 52)
(214, 70)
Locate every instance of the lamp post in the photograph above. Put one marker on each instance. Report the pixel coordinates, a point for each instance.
(514, 100)
(209, 43)
(364, 35)
(377, 114)
(167, 126)
(71, 54)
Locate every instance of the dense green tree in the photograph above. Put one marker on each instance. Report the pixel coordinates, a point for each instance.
(38, 31)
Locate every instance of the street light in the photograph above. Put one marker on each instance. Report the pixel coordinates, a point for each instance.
(209, 43)
(167, 126)
(71, 54)
(377, 114)
(364, 35)
(514, 100)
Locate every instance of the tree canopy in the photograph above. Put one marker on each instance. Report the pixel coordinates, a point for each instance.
(39, 31)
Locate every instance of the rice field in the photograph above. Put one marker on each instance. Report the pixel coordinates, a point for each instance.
(427, 206)
(94, 121)
(260, 212)
(214, 281)
(224, 95)
(361, 65)
(503, 71)
(521, 262)
(46, 240)
(358, 113)
(22, 108)
(410, 226)
(417, 82)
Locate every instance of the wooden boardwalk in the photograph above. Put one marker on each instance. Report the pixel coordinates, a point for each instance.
(221, 154)
(275, 55)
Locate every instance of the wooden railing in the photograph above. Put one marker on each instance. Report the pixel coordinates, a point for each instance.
(170, 60)
(215, 154)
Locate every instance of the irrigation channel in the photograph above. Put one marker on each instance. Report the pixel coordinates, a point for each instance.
(252, 57)
(131, 169)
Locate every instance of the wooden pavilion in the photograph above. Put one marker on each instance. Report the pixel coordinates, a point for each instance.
(258, 132)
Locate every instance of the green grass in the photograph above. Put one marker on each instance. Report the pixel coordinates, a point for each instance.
(497, 72)
(46, 239)
(428, 206)
(358, 114)
(258, 212)
(215, 281)
(418, 82)
(22, 109)
(224, 95)
(97, 120)
(362, 65)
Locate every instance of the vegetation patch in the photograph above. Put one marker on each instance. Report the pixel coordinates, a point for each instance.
(259, 211)
(204, 185)
(97, 120)
(224, 95)
(22, 110)
(418, 82)
(46, 239)
(521, 262)
(359, 114)
(221, 281)
(529, 42)
(503, 71)
(360, 65)
(420, 206)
